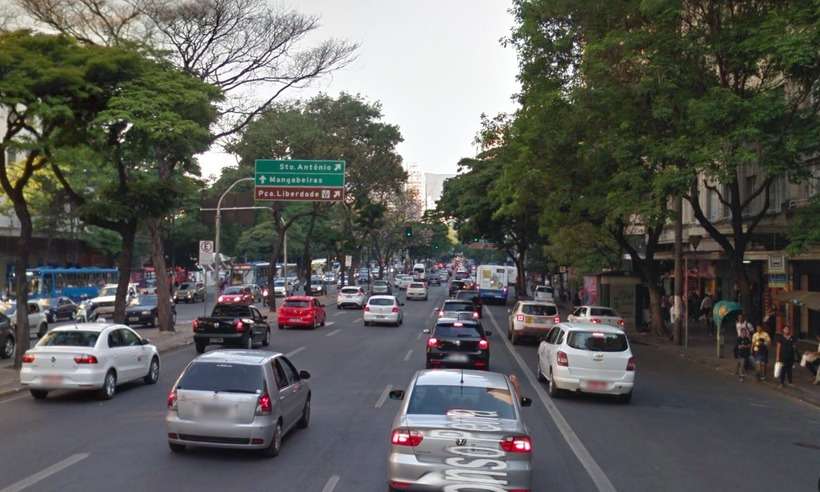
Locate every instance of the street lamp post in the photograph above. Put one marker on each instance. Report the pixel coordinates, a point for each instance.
(218, 224)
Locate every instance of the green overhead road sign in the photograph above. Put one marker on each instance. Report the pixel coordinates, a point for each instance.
(299, 180)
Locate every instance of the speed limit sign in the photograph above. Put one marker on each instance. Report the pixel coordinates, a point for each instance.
(206, 252)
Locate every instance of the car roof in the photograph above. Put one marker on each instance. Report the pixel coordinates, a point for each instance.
(95, 327)
(597, 307)
(237, 356)
(538, 303)
(299, 298)
(451, 321)
(458, 377)
(460, 301)
(382, 297)
(584, 326)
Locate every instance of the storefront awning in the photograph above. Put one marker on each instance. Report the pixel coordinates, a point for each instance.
(802, 297)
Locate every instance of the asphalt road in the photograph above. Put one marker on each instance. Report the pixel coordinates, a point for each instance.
(687, 428)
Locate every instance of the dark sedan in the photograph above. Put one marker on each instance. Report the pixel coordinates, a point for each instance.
(459, 344)
(61, 308)
(146, 312)
(472, 296)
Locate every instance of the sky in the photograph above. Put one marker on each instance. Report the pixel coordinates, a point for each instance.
(435, 65)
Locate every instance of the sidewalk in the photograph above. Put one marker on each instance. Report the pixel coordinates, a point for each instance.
(702, 350)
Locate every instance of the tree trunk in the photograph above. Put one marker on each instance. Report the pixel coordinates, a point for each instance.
(21, 333)
(745, 287)
(521, 278)
(128, 233)
(655, 310)
(164, 284)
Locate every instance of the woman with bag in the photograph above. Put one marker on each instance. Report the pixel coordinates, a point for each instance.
(785, 355)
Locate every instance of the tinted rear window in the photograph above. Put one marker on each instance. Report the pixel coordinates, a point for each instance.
(185, 286)
(416, 286)
(350, 290)
(458, 306)
(233, 290)
(449, 331)
(297, 304)
(230, 311)
(69, 339)
(539, 310)
(224, 377)
(598, 342)
(442, 400)
(602, 312)
(381, 302)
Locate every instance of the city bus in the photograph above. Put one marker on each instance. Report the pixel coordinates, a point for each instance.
(75, 283)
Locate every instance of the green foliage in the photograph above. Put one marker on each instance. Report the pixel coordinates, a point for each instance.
(804, 231)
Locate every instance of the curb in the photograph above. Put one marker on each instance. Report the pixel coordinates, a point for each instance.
(795, 393)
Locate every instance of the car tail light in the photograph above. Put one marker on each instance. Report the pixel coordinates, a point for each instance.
(620, 322)
(440, 313)
(221, 299)
(595, 321)
(85, 359)
(195, 324)
(432, 342)
(406, 437)
(483, 345)
(28, 358)
(630, 366)
(475, 314)
(562, 359)
(395, 309)
(556, 319)
(517, 444)
(263, 405)
(172, 400)
(367, 308)
(239, 326)
(519, 317)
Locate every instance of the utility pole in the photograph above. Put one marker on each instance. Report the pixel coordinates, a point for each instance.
(218, 224)
(676, 325)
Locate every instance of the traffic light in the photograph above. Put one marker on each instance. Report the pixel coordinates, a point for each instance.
(408, 232)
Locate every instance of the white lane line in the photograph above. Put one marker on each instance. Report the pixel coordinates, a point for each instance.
(409, 353)
(338, 314)
(331, 484)
(15, 398)
(337, 330)
(289, 354)
(330, 323)
(594, 470)
(43, 474)
(421, 334)
(383, 397)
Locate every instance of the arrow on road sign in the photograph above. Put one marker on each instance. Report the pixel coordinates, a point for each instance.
(262, 179)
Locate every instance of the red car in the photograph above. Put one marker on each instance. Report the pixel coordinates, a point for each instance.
(301, 311)
(236, 295)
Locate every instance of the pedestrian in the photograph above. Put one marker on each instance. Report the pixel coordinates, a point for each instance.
(665, 309)
(706, 311)
(742, 348)
(786, 354)
(760, 351)
(741, 324)
(811, 361)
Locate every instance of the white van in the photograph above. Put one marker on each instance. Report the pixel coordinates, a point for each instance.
(420, 272)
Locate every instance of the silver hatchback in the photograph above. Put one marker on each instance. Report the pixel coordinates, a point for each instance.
(459, 430)
(237, 399)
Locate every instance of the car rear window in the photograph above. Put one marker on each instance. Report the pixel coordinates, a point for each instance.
(381, 302)
(597, 341)
(444, 400)
(69, 339)
(223, 377)
(184, 286)
(233, 290)
(230, 311)
(544, 289)
(458, 306)
(539, 310)
(416, 285)
(450, 331)
(350, 290)
(296, 304)
(602, 312)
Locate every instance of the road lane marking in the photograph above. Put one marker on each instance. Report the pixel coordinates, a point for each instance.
(409, 353)
(594, 470)
(331, 484)
(43, 474)
(289, 354)
(382, 398)
(15, 398)
(419, 336)
(338, 314)
(337, 330)
(330, 323)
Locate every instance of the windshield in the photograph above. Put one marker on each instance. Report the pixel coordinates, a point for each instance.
(603, 312)
(223, 377)
(296, 304)
(350, 290)
(381, 302)
(69, 339)
(416, 286)
(444, 400)
(278, 283)
(542, 288)
(108, 291)
(185, 286)
(597, 341)
(458, 306)
(234, 290)
(450, 331)
(148, 301)
(230, 311)
(539, 310)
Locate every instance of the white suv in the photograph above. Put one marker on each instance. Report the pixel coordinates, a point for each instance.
(417, 290)
(589, 358)
(351, 296)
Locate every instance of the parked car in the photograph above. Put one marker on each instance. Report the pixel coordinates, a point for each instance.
(238, 325)
(596, 315)
(89, 356)
(7, 341)
(190, 292)
(237, 399)
(383, 309)
(146, 312)
(301, 311)
(60, 308)
(37, 321)
(531, 319)
(237, 294)
(456, 427)
(417, 290)
(351, 297)
(582, 357)
(458, 344)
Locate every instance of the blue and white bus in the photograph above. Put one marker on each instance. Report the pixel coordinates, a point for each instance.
(74, 283)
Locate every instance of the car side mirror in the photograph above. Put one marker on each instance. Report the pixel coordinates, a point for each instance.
(396, 395)
(304, 375)
(426, 331)
(526, 402)
(146, 341)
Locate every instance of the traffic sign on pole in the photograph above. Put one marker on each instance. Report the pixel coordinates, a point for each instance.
(206, 253)
(299, 180)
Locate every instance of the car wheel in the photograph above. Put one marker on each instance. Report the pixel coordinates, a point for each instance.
(249, 345)
(625, 398)
(514, 338)
(552, 389)
(200, 348)
(305, 420)
(541, 377)
(39, 394)
(8, 348)
(281, 327)
(367, 323)
(266, 341)
(176, 448)
(272, 451)
(427, 365)
(153, 372)
(323, 321)
(109, 385)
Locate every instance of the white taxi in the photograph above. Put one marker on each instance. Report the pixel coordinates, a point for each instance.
(89, 356)
(531, 319)
(417, 290)
(596, 315)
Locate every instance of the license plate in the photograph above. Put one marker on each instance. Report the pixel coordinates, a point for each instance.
(528, 319)
(458, 358)
(217, 340)
(381, 316)
(52, 380)
(133, 318)
(596, 385)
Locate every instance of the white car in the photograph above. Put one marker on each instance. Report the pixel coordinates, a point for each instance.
(37, 321)
(382, 309)
(582, 357)
(531, 319)
(280, 288)
(89, 356)
(402, 281)
(417, 290)
(598, 315)
(351, 296)
(544, 293)
(102, 306)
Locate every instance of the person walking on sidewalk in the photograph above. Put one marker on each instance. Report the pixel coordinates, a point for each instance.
(785, 354)
(742, 324)
(742, 348)
(812, 362)
(760, 350)
(706, 311)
